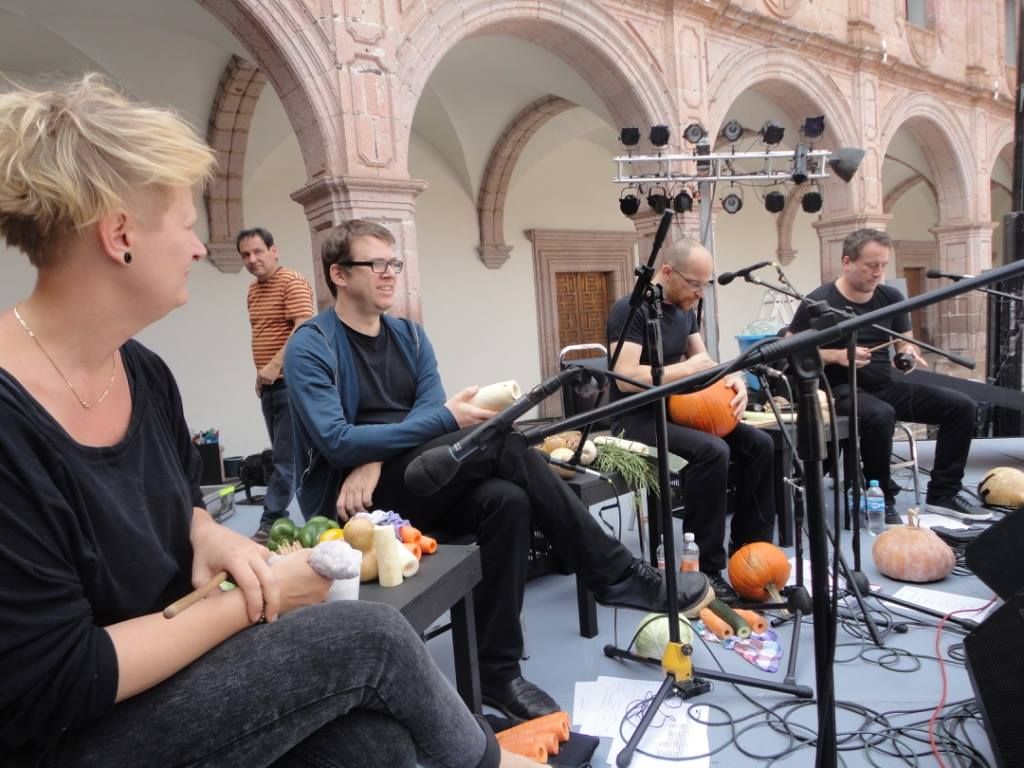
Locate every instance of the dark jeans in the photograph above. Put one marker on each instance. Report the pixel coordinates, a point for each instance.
(277, 414)
(497, 501)
(705, 483)
(346, 684)
(880, 407)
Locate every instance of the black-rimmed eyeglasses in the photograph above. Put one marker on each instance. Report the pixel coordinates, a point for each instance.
(380, 266)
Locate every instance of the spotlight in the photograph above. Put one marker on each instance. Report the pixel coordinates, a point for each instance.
(800, 164)
(658, 201)
(774, 201)
(845, 162)
(813, 127)
(694, 133)
(660, 135)
(732, 203)
(811, 202)
(629, 204)
(771, 133)
(629, 137)
(683, 202)
(731, 131)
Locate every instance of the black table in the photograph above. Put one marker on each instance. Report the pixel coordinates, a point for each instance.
(782, 468)
(445, 582)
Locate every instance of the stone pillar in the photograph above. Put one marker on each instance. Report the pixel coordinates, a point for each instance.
(391, 202)
(963, 249)
(832, 232)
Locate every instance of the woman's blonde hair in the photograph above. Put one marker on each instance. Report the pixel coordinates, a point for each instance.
(71, 154)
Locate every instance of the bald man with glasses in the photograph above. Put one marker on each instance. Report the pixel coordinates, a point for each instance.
(684, 272)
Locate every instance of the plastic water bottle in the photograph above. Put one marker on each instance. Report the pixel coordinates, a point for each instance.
(874, 504)
(691, 554)
(659, 556)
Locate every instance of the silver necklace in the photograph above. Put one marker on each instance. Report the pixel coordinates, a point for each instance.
(113, 365)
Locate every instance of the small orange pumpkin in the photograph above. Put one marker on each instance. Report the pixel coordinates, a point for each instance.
(758, 571)
(911, 553)
(706, 409)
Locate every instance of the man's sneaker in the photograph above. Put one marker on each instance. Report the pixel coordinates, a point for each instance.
(723, 589)
(892, 517)
(262, 533)
(957, 506)
(643, 587)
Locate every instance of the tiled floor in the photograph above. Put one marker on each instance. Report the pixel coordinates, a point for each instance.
(904, 675)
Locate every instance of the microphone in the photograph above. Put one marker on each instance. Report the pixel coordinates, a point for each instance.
(934, 273)
(433, 469)
(765, 370)
(577, 468)
(662, 233)
(728, 277)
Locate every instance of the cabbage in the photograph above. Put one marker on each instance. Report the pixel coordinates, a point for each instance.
(652, 634)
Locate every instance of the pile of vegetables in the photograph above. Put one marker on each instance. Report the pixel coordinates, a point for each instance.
(284, 531)
(537, 738)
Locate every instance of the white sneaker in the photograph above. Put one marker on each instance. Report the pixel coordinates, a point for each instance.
(959, 507)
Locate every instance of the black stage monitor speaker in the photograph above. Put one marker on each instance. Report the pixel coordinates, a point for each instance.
(995, 556)
(995, 663)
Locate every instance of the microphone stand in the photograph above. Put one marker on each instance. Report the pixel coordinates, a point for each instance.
(802, 352)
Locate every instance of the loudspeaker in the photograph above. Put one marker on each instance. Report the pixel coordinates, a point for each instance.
(995, 556)
(995, 663)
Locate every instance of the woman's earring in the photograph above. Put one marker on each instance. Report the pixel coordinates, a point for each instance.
(127, 257)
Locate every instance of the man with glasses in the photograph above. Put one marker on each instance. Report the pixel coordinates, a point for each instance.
(683, 274)
(883, 396)
(367, 399)
(279, 301)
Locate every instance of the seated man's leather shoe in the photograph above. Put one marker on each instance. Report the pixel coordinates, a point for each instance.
(643, 588)
(519, 699)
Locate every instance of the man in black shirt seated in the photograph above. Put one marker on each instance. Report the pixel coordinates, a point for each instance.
(684, 272)
(367, 399)
(883, 396)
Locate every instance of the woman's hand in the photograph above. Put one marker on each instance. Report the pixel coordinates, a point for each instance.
(216, 548)
(298, 584)
(739, 401)
(356, 493)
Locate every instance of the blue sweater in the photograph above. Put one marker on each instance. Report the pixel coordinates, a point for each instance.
(323, 388)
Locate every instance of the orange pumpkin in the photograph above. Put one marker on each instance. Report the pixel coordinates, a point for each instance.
(758, 571)
(911, 553)
(706, 409)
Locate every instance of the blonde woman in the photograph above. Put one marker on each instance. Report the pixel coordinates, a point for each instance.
(100, 510)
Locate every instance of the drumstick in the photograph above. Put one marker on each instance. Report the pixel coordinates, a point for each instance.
(883, 346)
(195, 595)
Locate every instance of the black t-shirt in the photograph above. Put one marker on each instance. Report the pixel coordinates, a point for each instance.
(677, 325)
(879, 371)
(387, 389)
(88, 537)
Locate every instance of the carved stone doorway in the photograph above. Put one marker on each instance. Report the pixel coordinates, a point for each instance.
(578, 277)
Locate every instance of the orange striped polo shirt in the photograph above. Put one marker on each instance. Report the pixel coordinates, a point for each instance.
(273, 306)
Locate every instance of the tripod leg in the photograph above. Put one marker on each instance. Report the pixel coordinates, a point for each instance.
(625, 757)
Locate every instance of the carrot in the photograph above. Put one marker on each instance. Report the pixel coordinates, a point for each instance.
(414, 547)
(715, 624)
(556, 723)
(428, 544)
(409, 534)
(546, 739)
(535, 752)
(758, 623)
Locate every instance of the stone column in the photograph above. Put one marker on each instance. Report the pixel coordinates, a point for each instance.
(963, 249)
(832, 232)
(391, 202)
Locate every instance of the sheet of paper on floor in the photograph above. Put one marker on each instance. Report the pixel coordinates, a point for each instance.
(945, 602)
(674, 733)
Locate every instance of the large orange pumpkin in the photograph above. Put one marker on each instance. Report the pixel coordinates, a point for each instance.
(706, 409)
(758, 571)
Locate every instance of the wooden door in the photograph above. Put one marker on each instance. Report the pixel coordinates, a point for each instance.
(583, 301)
(915, 286)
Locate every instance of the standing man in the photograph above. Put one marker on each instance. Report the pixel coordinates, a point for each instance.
(883, 395)
(279, 301)
(367, 399)
(685, 271)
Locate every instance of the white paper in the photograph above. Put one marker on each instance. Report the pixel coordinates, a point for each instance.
(942, 521)
(674, 733)
(598, 707)
(945, 602)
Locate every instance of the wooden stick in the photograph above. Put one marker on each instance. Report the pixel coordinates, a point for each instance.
(195, 595)
(889, 343)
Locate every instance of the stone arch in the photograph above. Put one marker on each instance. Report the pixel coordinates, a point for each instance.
(905, 186)
(498, 173)
(233, 106)
(629, 81)
(945, 144)
(288, 46)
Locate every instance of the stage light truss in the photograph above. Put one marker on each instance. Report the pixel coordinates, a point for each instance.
(765, 167)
